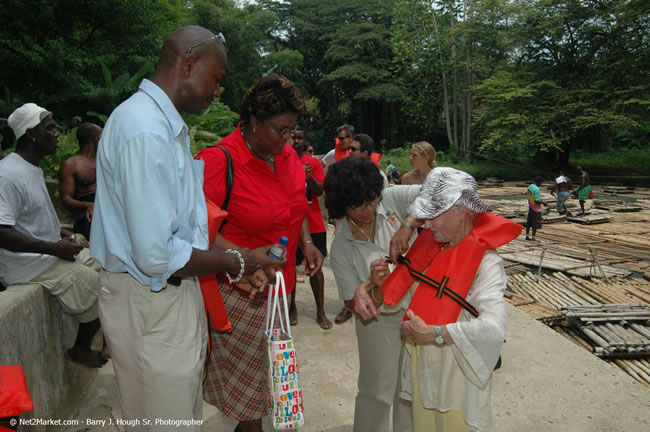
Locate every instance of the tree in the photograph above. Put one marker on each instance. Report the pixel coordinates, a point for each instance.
(248, 36)
(52, 49)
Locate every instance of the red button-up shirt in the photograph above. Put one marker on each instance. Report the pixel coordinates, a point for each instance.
(263, 206)
(314, 215)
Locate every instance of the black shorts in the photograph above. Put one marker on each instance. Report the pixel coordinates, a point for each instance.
(320, 241)
(534, 219)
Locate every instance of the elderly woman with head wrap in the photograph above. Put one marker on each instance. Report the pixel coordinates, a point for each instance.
(456, 321)
(371, 215)
(267, 201)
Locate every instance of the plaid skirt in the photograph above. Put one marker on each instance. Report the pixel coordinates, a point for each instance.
(235, 380)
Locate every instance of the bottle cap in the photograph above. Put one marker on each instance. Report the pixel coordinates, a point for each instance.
(284, 241)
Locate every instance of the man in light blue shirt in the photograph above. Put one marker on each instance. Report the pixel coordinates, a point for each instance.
(150, 235)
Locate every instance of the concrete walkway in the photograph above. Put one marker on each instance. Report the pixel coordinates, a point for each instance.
(546, 383)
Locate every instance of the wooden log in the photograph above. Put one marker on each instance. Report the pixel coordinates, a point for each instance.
(623, 365)
(597, 339)
(618, 315)
(643, 331)
(642, 366)
(638, 371)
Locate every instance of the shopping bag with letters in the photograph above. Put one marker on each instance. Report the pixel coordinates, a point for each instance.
(285, 403)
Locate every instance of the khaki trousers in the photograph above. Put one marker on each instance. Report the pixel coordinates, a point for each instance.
(158, 343)
(381, 347)
(74, 284)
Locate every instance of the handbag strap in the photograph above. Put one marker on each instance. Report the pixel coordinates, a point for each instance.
(274, 294)
(230, 179)
(440, 287)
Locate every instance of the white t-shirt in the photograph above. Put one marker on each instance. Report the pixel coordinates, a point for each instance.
(329, 158)
(26, 206)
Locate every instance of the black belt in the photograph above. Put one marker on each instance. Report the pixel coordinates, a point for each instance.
(175, 280)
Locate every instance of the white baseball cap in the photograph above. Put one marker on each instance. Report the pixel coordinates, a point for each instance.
(26, 117)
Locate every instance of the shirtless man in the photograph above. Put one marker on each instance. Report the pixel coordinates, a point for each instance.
(563, 186)
(77, 183)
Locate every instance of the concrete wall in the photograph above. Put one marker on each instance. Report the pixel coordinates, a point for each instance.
(34, 333)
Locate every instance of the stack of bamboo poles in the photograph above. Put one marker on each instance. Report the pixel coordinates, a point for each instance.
(561, 291)
(609, 318)
(639, 369)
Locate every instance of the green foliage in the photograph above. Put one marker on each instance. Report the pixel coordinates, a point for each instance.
(68, 146)
(622, 160)
(247, 30)
(51, 49)
(543, 78)
(210, 126)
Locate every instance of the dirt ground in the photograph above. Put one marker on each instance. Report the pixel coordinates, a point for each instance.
(546, 383)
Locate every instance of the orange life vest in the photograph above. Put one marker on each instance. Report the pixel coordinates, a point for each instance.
(453, 268)
(214, 307)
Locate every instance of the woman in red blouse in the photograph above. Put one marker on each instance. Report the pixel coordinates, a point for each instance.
(267, 202)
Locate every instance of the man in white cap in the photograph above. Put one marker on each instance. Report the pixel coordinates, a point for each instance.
(33, 246)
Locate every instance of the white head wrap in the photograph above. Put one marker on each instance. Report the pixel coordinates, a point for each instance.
(442, 188)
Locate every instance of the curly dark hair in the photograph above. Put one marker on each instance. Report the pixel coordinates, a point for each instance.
(351, 182)
(271, 96)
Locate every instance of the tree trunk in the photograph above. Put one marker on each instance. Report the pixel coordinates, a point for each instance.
(454, 89)
(468, 108)
(445, 94)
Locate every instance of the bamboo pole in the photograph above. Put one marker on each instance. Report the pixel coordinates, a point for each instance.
(623, 365)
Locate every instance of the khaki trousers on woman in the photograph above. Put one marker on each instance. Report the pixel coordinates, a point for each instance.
(381, 347)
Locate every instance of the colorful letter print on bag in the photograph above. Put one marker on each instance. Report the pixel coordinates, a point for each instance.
(284, 394)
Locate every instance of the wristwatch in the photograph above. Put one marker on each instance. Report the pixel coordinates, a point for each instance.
(408, 225)
(439, 339)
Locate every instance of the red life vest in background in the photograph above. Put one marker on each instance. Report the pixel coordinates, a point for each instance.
(375, 158)
(339, 151)
(214, 307)
(454, 267)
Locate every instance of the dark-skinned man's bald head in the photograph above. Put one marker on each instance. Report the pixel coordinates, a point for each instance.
(191, 67)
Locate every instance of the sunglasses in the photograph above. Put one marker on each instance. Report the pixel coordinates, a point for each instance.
(217, 36)
(354, 149)
(343, 137)
(311, 151)
(367, 204)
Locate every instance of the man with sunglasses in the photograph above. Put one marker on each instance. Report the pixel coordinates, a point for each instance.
(363, 146)
(341, 150)
(150, 235)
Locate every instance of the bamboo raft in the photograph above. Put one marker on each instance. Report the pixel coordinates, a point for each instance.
(554, 261)
(588, 219)
(611, 318)
(589, 298)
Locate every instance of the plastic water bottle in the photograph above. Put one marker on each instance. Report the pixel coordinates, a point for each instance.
(279, 250)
